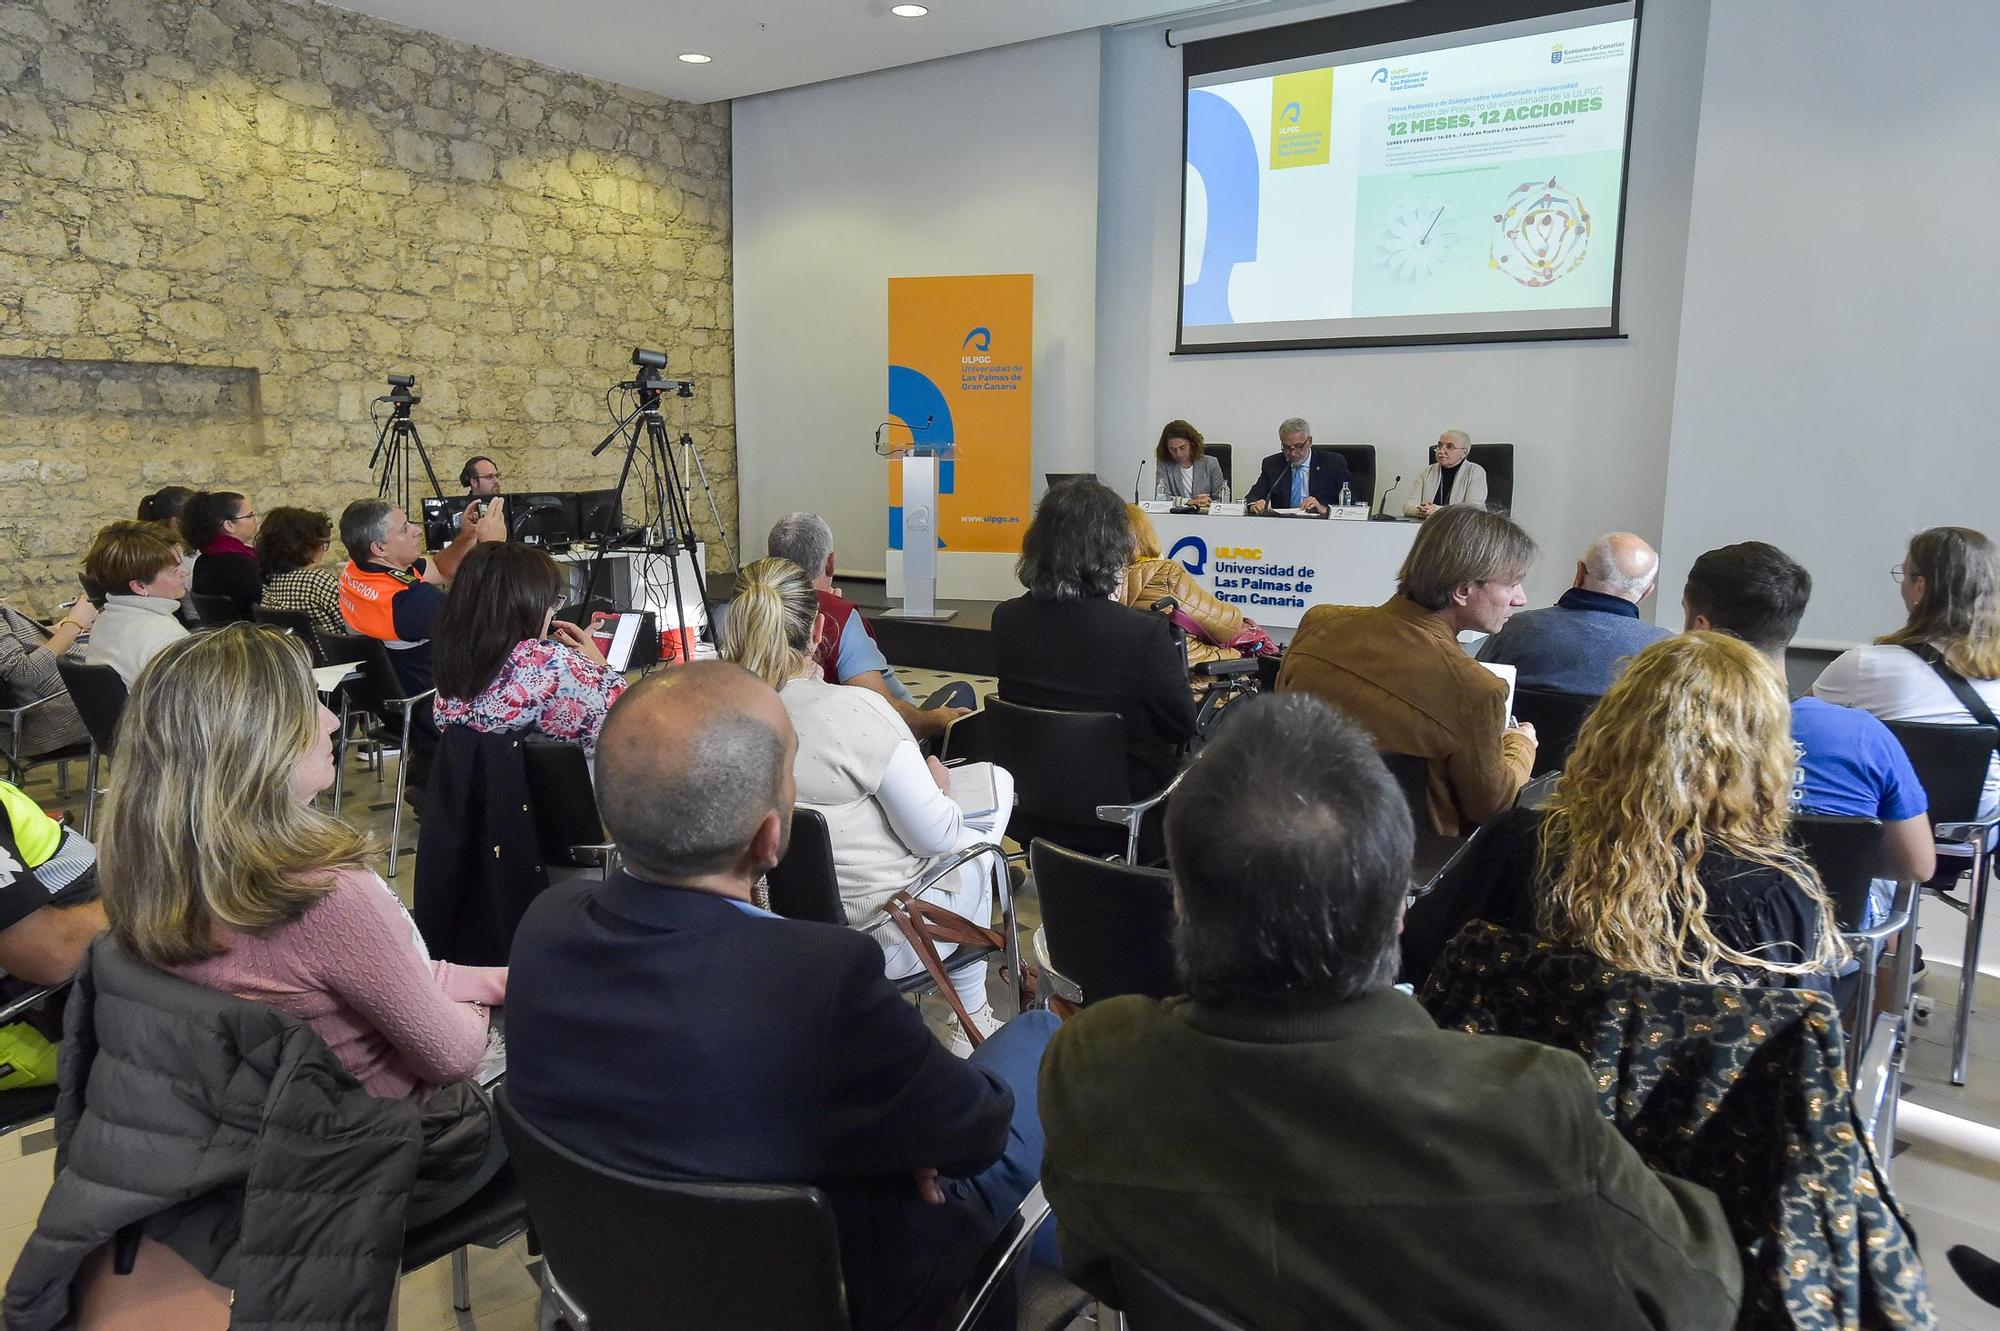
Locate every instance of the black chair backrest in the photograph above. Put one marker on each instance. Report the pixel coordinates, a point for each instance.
(1951, 764)
(1556, 718)
(1151, 1304)
(1110, 926)
(379, 680)
(1065, 764)
(214, 611)
(1413, 774)
(635, 1253)
(803, 884)
(969, 738)
(1223, 455)
(1360, 464)
(1498, 460)
(561, 798)
(99, 695)
(1846, 852)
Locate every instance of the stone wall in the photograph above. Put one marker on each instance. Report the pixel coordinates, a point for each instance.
(283, 203)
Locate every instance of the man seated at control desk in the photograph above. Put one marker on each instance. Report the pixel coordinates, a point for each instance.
(1295, 477)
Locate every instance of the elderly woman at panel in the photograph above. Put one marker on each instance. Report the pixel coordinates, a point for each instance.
(1184, 470)
(1948, 647)
(220, 525)
(504, 662)
(1069, 644)
(888, 809)
(137, 567)
(1449, 479)
(1664, 849)
(292, 545)
(239, 883)
(1213, 627)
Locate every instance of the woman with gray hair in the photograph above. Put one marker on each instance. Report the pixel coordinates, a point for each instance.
(1069, 645)
(1449, 479)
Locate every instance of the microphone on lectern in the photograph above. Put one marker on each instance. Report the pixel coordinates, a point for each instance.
(1140, 475)
(1383, 503)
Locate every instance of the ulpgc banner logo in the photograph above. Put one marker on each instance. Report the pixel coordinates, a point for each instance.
(1301, 118)
(979, 339)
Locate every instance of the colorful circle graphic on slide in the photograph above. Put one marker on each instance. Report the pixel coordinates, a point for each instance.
(1541, 233)
(1421, 238)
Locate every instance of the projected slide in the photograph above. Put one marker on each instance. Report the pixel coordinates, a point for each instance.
(1468, 190)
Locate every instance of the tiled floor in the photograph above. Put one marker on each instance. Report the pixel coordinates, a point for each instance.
(1948, 1178)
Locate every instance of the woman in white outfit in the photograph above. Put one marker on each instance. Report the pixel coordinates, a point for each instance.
(1950, 581)
(1450, 479)
(886, 807)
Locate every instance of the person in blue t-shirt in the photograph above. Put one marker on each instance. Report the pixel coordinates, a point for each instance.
(1849, 765)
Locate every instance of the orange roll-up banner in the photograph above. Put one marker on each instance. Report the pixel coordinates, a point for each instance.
(961, 372)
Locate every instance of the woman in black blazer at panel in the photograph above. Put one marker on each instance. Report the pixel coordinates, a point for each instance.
(1068, 644)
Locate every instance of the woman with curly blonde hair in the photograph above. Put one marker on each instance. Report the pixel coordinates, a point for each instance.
(1664, 849)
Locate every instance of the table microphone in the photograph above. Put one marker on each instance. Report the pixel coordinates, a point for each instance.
(1139, 476)
(1383, 502)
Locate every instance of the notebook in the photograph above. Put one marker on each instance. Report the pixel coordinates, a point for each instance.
(1507, 673)
(972, 789)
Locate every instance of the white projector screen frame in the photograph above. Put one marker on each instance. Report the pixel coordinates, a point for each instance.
(1365, 298)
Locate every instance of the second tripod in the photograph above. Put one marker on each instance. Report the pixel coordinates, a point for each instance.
(393, 445)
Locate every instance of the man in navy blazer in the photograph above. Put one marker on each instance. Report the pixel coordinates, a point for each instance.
(1297, 477)
(662, 1024)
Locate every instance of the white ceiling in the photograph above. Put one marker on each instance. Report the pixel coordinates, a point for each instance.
(757, 45)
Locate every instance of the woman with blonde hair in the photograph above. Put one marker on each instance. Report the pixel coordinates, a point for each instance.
(1664, 849)
(215, 865)
(888, 810)
(1216, 630)
(1946, 656)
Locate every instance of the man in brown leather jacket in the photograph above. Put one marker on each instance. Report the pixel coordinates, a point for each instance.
(1297, 1144)
(1398, 669)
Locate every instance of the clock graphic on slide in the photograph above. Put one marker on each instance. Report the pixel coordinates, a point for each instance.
(1422, 236)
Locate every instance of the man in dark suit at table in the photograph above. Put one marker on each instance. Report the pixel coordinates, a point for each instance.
(661, 1024)
(1297, 477)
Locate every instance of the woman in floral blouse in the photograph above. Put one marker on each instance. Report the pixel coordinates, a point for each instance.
(504, 663)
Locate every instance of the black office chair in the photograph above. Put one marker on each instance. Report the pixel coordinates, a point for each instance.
(740, 1255)
(215, 612)
(380, 690)
(1413, 776)
(564, 805)
(1146, 1302)
(99, 694)
(1223, 455)
(20, 764)
(1065, 766)
(1107, 928)
(295, 622)
(1498, 460)
(1556, 717)
(1951, 763)
(1360, 459)
(491, 1218)
(803, 885)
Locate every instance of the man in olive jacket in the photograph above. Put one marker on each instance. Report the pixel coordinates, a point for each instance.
(1297, 1144)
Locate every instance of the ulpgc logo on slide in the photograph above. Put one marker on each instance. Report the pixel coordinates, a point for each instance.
(983, 336)
(1301, 118)
(1381, 74)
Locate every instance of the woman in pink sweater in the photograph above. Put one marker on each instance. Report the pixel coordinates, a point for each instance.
(215, 865)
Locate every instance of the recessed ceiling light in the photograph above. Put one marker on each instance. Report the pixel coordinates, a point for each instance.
(694, 58)
(909, 11)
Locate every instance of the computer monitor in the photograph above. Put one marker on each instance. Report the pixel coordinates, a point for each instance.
(545, 517)
(597, 513)
(440, 518)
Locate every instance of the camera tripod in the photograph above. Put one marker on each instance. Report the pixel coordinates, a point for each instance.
(644, 433)
(394, 443)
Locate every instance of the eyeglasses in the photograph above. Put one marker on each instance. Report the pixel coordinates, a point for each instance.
(1896, 573)
(489, 476)
(243, 517)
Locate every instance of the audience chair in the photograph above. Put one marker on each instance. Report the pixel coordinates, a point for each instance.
(968, 739)
(1413, 774)
(492, 1217)
(1065, 766)
(1232, 680)
(99, 695)
(19, 764)
(1360, 459)
(380, 690)
(30, 1105)
(214, 612)
(1132, 816)
(295, 622)
(803, 886)
(564, 805)
(299, 624)
(1498, 460)
(1146, 1302)
(1556, 718)
(1951, 763)
(1107, 928)
(739, 1255)
(339, 649)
